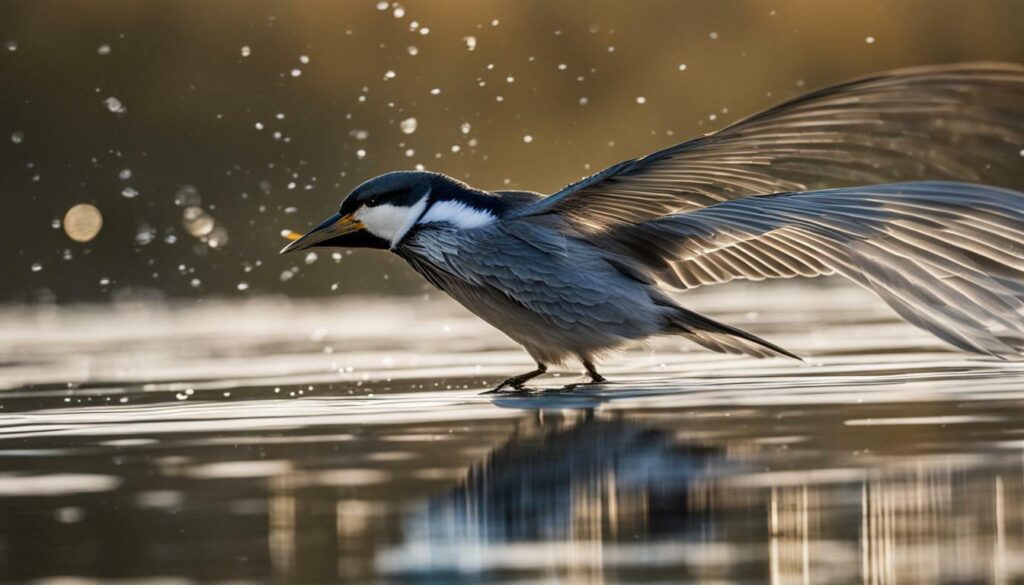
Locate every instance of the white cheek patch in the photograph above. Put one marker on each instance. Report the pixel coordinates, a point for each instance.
(458, 214)
(390, 222)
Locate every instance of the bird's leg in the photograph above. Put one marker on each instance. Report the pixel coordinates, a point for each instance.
(515, 383)
(595, 378)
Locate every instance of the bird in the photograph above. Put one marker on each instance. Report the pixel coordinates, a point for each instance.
(907, 182)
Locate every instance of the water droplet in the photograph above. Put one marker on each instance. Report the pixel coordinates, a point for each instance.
(360, 154)
(259, 125)
(584, 101)
(124, 174)
(399, 12)
(310, 258)
(187, 196)
(114, 105)
(196, 221)
(304, 59)
(103, 50)
(389, 75)
(12, 45)
(241, 286)
(713, 36)
(682, 66)
(359, 134)
(562, 66)
(218, 237)
(17, 136)
(382, 5)
(435, 91)
(145, 235)
(413, 50)
(129, 193)
(641, 99)
(466, 128)
(83, 222)
(246, 50)
(296, 72)
(36, 267)
(408, 125)
(527, 139)
(869, 40)
(470, 42)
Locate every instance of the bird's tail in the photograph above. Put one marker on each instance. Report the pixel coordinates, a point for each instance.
(721, 337)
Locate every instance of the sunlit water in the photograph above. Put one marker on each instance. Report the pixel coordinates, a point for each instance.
(347, 441)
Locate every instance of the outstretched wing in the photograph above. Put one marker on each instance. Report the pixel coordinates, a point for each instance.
(956, 122)
(948, 257)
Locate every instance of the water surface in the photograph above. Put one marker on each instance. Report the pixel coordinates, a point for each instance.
(347, 441)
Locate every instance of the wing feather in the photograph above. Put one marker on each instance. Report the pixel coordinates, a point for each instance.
(948, 257)
(960, 122)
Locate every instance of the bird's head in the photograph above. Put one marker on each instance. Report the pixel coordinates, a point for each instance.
(381, 212)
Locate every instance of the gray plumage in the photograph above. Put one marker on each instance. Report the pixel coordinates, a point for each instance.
(878, 180)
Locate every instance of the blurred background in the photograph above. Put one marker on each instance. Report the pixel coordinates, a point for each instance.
(154, 151)
(200, 130)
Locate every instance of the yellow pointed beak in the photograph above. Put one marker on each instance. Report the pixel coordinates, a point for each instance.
(335, 226)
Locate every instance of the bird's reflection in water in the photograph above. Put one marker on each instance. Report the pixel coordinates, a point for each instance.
(583, 477)
(580, 496)
(585, 493)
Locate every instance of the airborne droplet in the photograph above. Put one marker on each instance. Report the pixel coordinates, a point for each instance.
(114, 105)
(196, 221)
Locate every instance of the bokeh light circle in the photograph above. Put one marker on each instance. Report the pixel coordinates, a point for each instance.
(83, 222)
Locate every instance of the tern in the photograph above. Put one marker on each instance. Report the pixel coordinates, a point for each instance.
(906, 182)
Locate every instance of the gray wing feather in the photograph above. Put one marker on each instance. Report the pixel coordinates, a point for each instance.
(953, 122)
(948, 257)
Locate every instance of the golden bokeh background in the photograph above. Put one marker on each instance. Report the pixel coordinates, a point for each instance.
(264, 114)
